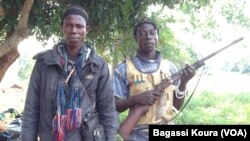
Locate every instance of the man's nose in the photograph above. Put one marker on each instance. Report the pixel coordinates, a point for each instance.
(148, 35)
(73, 29)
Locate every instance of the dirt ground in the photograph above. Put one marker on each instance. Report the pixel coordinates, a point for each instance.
(12, 98)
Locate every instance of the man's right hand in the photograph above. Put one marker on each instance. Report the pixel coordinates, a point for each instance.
(147, 97)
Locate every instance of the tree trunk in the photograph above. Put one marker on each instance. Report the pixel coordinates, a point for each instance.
(7, 60)
(8, 50)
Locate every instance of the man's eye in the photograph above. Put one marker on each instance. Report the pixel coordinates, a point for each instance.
(80, 26)
(142, 33)
(153, 33)
(67, 26)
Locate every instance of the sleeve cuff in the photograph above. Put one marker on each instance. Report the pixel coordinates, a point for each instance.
(180, 94)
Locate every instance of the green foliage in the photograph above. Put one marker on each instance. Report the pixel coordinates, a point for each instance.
(26, 66)
(233, 11)
(9, 21)
(241, 66)
(209, 108)
(206, 107)
(123, 115)
(44, 20)
(111, 23)
(192, 6)
(207, 24)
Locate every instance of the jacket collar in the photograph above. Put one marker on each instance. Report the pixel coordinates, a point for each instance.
(52, 57)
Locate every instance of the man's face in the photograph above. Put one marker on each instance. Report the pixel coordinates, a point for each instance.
(74, 30)
(147, 37)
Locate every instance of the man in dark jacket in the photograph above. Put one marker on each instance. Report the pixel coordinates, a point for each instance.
(69, 97)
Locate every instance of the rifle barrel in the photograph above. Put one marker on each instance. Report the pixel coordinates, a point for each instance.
(200, 63)
(196, 65)
(232, 43)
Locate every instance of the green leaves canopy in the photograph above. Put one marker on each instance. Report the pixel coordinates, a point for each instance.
(111, 22)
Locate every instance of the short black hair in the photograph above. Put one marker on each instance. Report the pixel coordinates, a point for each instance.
(143, 21)
(73, 9)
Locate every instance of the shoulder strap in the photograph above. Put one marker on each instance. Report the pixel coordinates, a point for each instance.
(88, 108)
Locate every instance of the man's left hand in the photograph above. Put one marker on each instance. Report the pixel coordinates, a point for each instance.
(188, 73)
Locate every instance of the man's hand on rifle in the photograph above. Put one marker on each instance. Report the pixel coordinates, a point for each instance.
(147, 97)
(188, 73)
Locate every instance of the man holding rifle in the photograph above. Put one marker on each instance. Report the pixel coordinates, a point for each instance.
(136, 85)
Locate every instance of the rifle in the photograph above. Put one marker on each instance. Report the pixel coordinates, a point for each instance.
(166, 82)
(127, 127)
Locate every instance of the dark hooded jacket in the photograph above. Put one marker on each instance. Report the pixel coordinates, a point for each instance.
(40, 103)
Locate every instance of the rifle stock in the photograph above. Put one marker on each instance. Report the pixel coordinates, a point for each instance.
(166, 82)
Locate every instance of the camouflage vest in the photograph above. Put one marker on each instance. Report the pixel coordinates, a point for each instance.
(161, 111)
